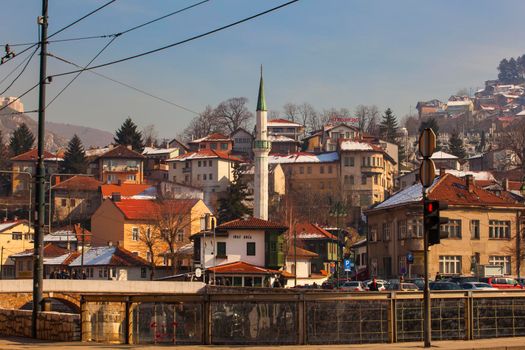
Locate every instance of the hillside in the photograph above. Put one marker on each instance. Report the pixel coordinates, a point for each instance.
(57, 134)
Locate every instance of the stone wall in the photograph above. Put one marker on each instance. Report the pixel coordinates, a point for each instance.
(51, 325)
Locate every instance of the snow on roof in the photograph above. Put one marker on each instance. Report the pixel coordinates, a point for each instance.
(96, 256)
(282, 122)
(303, 157)
(96, 151)
(58, 260)
(7, 225)
(478, 175)
(476, 156)
(348, 145)
(408, 195)
(458, 103)
(60, 236)
(152, 151)
(280, 138)
(443, 155)
(522, 113)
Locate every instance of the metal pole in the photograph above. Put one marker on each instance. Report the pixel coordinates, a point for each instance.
(427, 330)
(2, 263)
(40, 185)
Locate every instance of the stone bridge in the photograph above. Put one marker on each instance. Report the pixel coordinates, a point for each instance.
(15, 294)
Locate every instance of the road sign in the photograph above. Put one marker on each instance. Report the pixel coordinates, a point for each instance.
(427, 172)
(348, 265)
(410, 258)
(198, 272)
(427, 143)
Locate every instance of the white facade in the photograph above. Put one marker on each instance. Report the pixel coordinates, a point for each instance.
(261, 150)
(236, 248)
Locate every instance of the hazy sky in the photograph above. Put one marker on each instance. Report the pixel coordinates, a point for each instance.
(330, 53)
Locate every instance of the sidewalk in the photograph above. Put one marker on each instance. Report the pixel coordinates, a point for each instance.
(498, 343)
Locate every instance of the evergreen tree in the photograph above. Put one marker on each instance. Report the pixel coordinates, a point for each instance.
(388, 127)
(75, 157)
(22, 140)
(129, 135)
(5, 179)
(431, 123)
(482, 142)
(455, 145)
(232, 206)
(510, 71)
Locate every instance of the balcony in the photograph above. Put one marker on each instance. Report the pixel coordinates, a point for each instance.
(120, 169)
(186, 170)
(372, 169)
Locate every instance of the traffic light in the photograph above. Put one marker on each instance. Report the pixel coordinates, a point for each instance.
(433, 222)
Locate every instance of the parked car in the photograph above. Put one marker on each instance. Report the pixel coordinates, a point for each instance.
(419, 282)
(521, 281)
(403, 287)
(381, 284)
(477, 286)
(461, 279)
(502, 282)
(353, 286)
(443, 285)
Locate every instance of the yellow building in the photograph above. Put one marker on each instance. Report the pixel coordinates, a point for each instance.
(136, 225)
(15, 237)
(482, 230)
(121, 165)
(24, 170)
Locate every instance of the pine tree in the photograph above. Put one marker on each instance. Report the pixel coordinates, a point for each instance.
(388, 127)
(455, 145)
(129, 135)
(232, 206)
(22, 140)
(75, 157)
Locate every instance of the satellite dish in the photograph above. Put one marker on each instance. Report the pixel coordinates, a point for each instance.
(198, 272)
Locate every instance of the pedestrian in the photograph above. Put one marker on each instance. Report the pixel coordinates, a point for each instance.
(373, 285)
(84, 276)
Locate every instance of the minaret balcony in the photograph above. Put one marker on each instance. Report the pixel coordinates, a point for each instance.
(264, 145)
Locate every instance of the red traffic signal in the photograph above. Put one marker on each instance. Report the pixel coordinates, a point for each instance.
(432, 220)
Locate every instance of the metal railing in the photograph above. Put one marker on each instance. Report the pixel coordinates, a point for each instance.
(267, 316)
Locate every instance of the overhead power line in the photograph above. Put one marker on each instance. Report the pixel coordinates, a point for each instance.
(14, 69)
(126, 85)
(120, 33)
(180, 42)
(21, 72)
(20, 96)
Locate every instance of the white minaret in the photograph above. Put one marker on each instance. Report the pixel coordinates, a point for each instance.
(261, 148)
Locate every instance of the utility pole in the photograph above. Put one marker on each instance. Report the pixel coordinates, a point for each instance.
(38, 273)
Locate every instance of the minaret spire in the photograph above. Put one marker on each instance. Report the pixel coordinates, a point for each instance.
(261, 101)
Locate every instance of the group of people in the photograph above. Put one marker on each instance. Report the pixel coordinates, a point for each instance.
(65, 275)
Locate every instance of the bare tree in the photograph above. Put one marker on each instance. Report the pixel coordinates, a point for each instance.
(150, 237)
(291, 111)
(513, 138)
(234, 113)
(150, 136)
(273, 114)
(362, 115)
(173, 222)
(373, 120)
(204, 124)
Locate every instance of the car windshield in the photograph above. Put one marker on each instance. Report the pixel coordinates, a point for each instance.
(482, 285)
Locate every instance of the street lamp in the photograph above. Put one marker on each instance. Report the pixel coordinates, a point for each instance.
(338, 211)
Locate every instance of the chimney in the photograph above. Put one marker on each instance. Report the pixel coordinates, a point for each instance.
(116, 197)
(470, 182)
(506, 184)
(57, 180)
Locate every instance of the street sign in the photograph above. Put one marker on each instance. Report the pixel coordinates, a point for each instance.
(198, 272)
(348, 265)
(427, 143)
(427, 172)
(410, 258)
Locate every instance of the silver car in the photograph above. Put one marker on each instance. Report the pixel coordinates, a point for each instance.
(353, 286)
(477, 286)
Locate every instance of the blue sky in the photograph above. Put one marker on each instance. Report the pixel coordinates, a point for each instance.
(332, 53)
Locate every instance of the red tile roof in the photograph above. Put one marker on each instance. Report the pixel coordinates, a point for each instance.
(307, 230)
(32, 156)
(242, 268)
(122, 151)
(50, 251)
(454, 191)
(125, 190)
(143, 209)
(123, 257)
(79, 183)
(251, 223)
(282, 121)
(300, 252)
(212, 137)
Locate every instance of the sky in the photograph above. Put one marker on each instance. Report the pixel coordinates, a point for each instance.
(329, 53)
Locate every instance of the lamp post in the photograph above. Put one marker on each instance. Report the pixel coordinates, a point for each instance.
(338, 211)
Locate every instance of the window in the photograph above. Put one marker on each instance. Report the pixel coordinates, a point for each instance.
(351, 179)
(180, 236)
(450, 264)
(453, 228)
(474, 229)
(329, 169)
(199, 164)
(402, 229)
(499, 229)
(321, 185)
(174, 178)
(376, 179)
(174, 166)
(210, 176)
(63, 202)
(250, 248)
(213, 146)
(363, 179)
(143, 272)
(135, 234)
(301, 170)
(309, 170)
(100, 273)
(135, 253)
(321, 170)
(503, 261)
(416, 229)
(204, 177)
(16, 236)
(224, 146)
(386, 231)
(72, 202)
(209, 163)
(373, 233)
(221, 250)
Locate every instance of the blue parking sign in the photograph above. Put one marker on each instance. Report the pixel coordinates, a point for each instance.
(348, 265)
